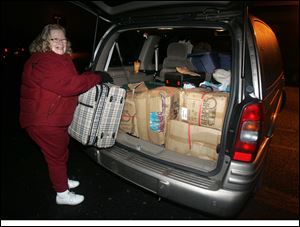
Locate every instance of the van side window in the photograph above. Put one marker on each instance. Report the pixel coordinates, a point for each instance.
(131, 40)
(269, 53)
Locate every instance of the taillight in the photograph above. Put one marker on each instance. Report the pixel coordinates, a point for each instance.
(247, 140)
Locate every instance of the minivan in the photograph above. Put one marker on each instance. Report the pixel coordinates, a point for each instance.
(205, 83)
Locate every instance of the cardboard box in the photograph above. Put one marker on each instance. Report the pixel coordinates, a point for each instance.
(201, 107)
(146, 112)
(162, 105)
(197, 141)
(140, 100)
(128, 122)
(133, 120)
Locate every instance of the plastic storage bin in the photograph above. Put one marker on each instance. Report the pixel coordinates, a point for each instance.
(225, 61)
(205, 62)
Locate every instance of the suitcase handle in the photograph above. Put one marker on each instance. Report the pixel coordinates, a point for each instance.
(105, 85)
(97, 95)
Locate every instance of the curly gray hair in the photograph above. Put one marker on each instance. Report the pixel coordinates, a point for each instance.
(41, 42)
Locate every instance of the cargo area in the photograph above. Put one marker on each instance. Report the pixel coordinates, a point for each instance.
(178, 89)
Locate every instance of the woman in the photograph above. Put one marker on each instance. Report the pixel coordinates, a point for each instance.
(49, 93)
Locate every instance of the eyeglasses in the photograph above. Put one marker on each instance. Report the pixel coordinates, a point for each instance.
(56, 40)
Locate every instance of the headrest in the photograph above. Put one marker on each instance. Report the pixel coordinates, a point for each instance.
(177, 50)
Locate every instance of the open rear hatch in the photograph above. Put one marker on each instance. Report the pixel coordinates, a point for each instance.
(166, 123)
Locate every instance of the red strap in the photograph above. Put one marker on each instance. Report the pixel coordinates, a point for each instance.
(189, 136)
(200, 108)
(126, 117)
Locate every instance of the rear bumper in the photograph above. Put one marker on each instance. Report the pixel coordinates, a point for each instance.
(176, 185)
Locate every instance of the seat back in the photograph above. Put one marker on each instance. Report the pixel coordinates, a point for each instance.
(176, 56)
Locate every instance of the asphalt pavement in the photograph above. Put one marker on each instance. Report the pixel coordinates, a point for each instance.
(28, 195)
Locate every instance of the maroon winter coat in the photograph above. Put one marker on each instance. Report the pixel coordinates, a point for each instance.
(50, 88)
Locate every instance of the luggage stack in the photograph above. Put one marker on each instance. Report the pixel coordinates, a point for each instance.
(197, 129)
(147, 111)
(97, 116)
(192, 140)
(187, 121)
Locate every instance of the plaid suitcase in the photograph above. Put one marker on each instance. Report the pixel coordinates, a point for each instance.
(97, 116)
(86, 117)
(111, 117)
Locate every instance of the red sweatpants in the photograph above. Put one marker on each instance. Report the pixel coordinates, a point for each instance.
(53, 142)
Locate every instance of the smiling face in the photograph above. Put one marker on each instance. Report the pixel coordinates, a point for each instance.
(58, 41)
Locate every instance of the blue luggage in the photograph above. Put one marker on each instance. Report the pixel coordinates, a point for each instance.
(205, 62)
(225, 61)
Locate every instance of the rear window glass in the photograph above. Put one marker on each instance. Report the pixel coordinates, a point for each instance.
(130, 44)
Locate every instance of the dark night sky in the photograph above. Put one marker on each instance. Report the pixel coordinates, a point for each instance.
(22, 21)
(283, 18)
